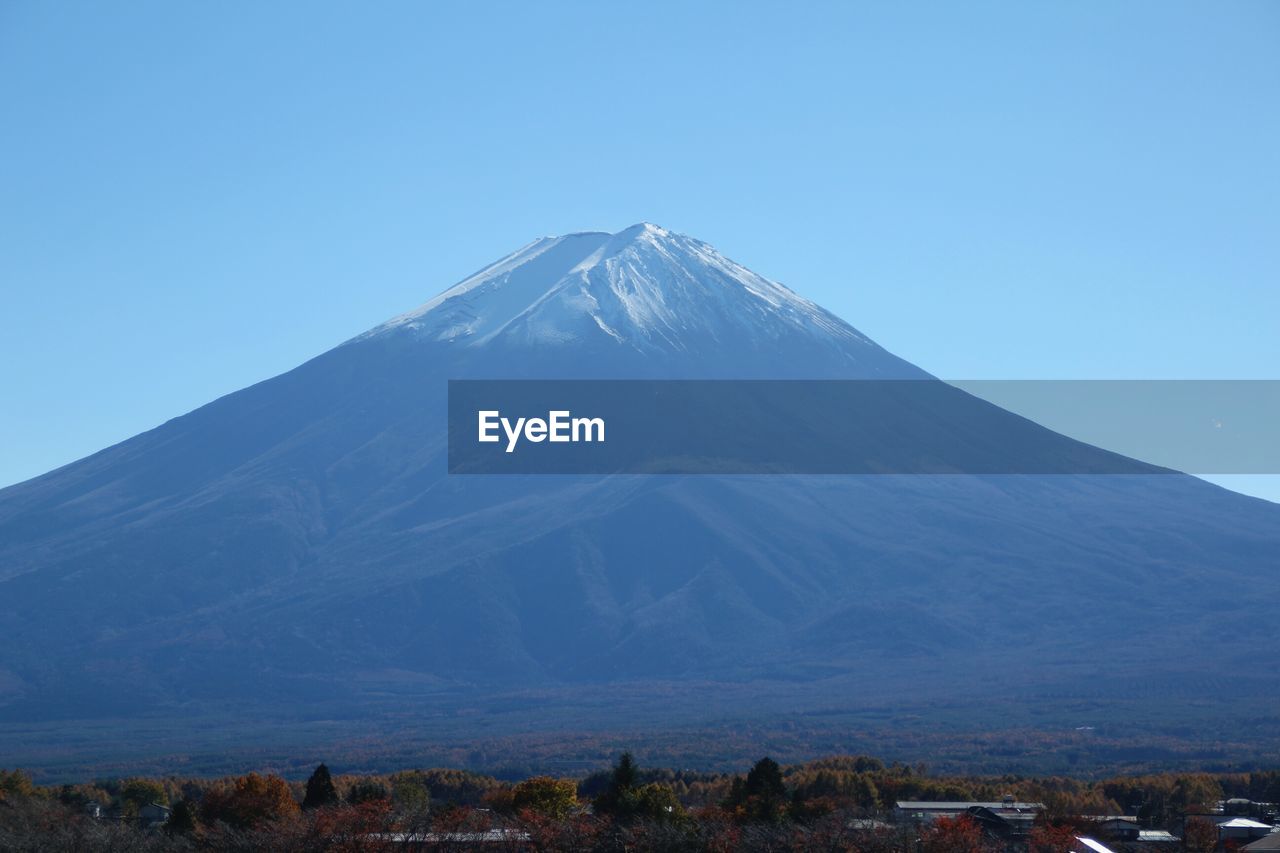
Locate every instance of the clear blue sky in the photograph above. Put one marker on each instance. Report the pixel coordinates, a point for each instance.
(197, 196)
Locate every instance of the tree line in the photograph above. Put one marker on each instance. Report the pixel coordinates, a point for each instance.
(836, 803)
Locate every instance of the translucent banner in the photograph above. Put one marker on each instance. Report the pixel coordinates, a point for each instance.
(862, 427)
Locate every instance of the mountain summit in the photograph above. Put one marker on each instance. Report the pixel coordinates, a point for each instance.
(295, 552)
(643, 291)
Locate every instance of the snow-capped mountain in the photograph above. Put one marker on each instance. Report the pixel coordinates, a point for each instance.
(645, 287)
(299, 541)
(639, 298)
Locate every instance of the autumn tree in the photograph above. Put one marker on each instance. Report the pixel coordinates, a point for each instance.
(15, 783)
(367, 791)
(1199, 835)
(250, 801)
(1153, 812)
(348, 830)
(543, 795)
(1198, 792)
(1046, 838)
(320, 789)
(656, 802)
(960, 834)
(409, 793)
(136, 793)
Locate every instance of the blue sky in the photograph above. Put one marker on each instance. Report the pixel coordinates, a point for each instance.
(200, 196)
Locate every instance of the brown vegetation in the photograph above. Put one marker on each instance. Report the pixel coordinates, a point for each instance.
(842, 803)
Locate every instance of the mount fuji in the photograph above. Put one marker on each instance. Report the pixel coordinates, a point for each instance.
(646, 301)
(299, 545)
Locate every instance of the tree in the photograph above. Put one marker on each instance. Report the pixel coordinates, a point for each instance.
(621, 782)
(765, 778)
(367, 791)
(136, 793)
(543, 795)
(960, 834)
(320, 790)
(1153, 811)
(762, 796)
(1198, 792)
(1199, 835)
(182, 819)
(249, 801)
(409, 793)
(655, 801)
(15, 783)
(625, 773)
(1046, 838)
(865, 793)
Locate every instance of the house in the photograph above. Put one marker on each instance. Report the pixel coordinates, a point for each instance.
(153, 814)
(1242, 829)
(1230, 828)
(1242, 807)
(924, 811)
(1085, 844)
(1003, 822)
(1270, 841)
(1116, 827)
(1007, 819)
(1151, 837)
(1237, 806)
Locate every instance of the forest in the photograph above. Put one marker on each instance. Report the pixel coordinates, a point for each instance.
(841, 803)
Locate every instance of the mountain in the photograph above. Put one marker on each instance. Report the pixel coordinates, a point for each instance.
(646, 302)
(296, 550)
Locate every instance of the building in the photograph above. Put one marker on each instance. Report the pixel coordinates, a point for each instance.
(1243, 829)
(1116, 827)
(1268, 842)
(1007, 819)
(923, 811)
(153, 814)
(1084, 844)
(1005, 823)
(1152, 837)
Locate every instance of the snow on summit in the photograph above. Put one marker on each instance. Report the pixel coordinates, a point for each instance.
(644, 287)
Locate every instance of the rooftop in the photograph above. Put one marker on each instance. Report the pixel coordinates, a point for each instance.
(961, 805)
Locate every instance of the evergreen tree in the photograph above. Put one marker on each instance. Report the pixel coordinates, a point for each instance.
(763, 796)
(320, 790)
(623, 781)
(765, 780)
(182, 819)
(625, 773)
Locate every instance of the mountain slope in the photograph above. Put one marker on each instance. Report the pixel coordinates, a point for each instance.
(300, 538)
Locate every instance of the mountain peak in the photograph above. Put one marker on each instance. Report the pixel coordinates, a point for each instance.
(644, 289)
(643, 229)
(626, 235)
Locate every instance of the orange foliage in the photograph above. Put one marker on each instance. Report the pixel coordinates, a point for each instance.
(250, 801)
(1051, 839)
(953, 835)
